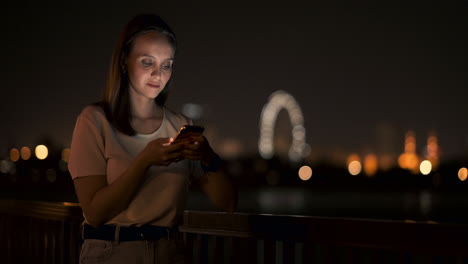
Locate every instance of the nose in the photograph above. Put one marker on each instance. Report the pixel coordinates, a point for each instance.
(156, 72)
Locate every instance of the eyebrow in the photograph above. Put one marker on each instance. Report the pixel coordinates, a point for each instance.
(147, 55)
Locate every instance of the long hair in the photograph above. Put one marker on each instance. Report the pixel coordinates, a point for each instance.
(115, 99)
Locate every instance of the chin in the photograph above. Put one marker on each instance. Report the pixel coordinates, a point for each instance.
(153, 95)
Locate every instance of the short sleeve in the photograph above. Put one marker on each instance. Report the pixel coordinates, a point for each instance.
(87, 156)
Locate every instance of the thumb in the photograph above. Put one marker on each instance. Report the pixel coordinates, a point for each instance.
(164, 141)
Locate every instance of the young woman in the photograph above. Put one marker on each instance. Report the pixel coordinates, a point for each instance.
(130, 178)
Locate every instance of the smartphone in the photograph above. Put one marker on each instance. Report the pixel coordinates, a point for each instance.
(188, 128)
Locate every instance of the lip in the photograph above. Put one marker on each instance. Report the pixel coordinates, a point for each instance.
(154, 85)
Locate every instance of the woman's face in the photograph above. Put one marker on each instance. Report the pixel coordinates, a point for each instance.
(149, 65)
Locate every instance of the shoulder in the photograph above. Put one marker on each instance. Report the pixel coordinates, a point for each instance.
(93, 113)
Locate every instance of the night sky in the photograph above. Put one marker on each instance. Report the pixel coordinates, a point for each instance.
(355, 69)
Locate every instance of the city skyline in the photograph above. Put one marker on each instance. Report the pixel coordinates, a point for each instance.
(355, 70)
(276, 140)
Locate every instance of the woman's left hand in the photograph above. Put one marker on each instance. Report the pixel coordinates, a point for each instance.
(197, 148)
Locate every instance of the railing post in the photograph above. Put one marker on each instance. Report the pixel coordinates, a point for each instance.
(39, 232)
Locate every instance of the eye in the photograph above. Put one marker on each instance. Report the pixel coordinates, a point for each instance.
(167, 66)
(147, 62)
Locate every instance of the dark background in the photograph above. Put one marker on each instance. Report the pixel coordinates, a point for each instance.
(351, 68)
(355, 70)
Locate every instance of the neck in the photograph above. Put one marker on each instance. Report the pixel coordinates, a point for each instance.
(144, 108)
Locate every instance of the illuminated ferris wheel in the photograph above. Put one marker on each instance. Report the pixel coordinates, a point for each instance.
(277, 101)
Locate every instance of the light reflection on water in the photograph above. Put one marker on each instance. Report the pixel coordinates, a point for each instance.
(423, 205)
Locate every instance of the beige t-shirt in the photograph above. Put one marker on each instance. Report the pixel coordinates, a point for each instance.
(99, 149)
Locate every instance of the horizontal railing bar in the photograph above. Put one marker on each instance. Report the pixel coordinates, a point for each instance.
(214, 232)
(44, 210)
(367, 233)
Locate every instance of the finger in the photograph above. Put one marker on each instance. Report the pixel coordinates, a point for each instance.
(177, 146)
(163, 140)
(169, 142)
(198, 138)
(192, 147)
(188, 151)
(202, 141)
(181, 141)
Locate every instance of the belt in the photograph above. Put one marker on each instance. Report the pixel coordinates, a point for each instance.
(127, 233)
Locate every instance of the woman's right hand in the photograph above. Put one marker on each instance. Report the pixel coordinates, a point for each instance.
(160, 152)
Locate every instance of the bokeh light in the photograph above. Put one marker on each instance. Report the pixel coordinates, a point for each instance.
(41, 152)
(192, 111)
(354, 167)
(4, 166)
(354, 164)
(25, 153)
(463, 174)
(14, 155)
(409, 159)
(7, 167)
(371, 164)
(305, 173)
(65, 154)
(425, 167)
(432, 149)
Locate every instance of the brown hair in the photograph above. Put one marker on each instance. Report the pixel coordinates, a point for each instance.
(115, 100)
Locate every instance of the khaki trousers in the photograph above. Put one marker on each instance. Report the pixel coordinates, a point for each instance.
(163, 251)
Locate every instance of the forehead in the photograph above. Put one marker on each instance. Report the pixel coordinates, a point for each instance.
(152, 43)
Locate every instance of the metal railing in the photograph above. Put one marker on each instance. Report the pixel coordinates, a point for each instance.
(250, 238)
(47, 232)
(39, 232)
